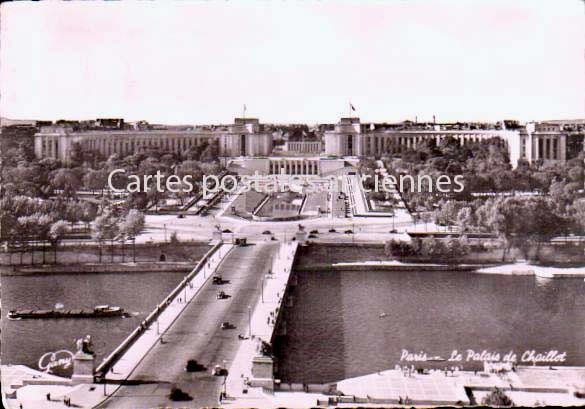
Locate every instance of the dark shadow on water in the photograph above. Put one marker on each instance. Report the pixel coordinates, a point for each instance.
(299, 352)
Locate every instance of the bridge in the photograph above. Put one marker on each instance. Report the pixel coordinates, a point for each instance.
(194, 333)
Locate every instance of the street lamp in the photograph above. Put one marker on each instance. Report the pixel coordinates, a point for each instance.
(249, 321)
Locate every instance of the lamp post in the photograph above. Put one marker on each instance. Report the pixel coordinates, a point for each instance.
(249, 321)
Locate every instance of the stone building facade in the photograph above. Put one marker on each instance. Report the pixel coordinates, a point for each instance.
(246, 137)
(537, 141)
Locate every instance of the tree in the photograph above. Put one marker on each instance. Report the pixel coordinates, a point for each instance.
(88, 213)
(65, 180)
(448, 212)
(34, 227)
(131, 226)
(56, 232)
(578, 215)
(105, 227)
(464, 219)
(94, 180)
(576, 174)
(432, 247)
(497, 398)
(523, 222)
(398, 248)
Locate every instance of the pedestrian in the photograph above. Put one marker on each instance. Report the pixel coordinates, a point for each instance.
(49, 396)
(20, 405)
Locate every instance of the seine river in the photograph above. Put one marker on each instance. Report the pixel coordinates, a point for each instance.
(346, 324)
(25, 341)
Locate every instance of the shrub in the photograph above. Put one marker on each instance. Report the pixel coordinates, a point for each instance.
(497, 398)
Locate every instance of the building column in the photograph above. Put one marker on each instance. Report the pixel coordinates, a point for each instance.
(536, 148)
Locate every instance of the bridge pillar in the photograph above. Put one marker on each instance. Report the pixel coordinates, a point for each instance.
(83, 368)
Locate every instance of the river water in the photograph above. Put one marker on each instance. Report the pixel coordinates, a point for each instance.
(25, 341)
(346, 324)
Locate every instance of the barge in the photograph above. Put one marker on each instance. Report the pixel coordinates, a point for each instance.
(100, 311)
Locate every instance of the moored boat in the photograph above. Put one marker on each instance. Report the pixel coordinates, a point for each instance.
(100, 311)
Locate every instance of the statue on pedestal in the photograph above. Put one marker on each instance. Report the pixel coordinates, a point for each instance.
(85, 345)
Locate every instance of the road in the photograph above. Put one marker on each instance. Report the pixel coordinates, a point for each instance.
(197, 335)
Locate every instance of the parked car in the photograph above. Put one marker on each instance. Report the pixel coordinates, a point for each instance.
(222, 295)
(227, 325)
(217, 280)
(218, 370)
(194, 366)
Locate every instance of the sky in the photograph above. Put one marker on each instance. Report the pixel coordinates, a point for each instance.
(196, 62)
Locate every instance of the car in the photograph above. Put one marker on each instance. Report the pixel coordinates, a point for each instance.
(226, 231)
(266, 232)
(393, 231)
(194, 366)
(332, 231)
(227, 325)
(217, 280)
(181, 216)
(314, 232)
(348, 232)
(219, 371)
(222, 295)
(312, 236)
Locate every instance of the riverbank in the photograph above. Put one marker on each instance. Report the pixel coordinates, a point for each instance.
(538, 271)
(91, 253)
(95, 268)
(514, 269)
(387, 266)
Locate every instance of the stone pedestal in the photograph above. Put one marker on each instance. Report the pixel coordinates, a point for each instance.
(83, 368)
(301, 236)
(262, 367)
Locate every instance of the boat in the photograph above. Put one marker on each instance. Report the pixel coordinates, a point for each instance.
(100, 311)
